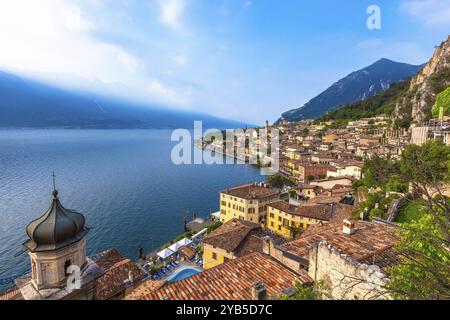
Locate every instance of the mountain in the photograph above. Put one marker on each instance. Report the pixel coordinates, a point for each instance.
(359, 85)
(424, 88)
(414, 100)
(29, 103)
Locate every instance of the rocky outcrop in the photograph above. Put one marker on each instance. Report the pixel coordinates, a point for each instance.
(430, 81)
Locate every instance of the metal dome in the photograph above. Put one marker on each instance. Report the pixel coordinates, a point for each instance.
(56, 228)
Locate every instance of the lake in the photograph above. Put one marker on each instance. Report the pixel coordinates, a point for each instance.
(123, 181)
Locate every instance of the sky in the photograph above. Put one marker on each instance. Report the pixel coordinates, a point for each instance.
(248, 60)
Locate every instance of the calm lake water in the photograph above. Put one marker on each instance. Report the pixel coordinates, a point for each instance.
(123, 181)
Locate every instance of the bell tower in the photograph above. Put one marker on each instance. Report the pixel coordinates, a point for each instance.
(56, 242)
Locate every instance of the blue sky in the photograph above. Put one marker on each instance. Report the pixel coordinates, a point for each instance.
(248, 60)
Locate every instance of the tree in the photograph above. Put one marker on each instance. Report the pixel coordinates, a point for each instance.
(424, 271)
(427, 168)
(276, 181)
(424, 245)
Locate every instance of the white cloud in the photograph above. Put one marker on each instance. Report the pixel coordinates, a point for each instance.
(172, 13)
(52, 39)
(179, 60)
(175, 95)
(431, 13)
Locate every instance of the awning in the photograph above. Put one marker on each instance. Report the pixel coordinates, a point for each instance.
(216, 215)
(184, 242)
(177, 245)
(198, 234)
(165, 253)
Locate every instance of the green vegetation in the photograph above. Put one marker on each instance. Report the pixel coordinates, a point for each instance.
(442, 100)
(411, 211)
(278, 181)
(424, 272)
(424, 236)
(214, 226)
(440, 80)
(383, 103)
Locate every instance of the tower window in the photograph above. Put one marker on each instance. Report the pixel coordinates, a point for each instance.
(67, 264)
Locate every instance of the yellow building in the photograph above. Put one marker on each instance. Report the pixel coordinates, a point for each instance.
(246, 202)
(287, 220)
(293, 154)
(234, 239)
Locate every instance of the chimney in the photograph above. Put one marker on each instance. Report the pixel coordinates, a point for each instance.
(259, 291)
(348, 227)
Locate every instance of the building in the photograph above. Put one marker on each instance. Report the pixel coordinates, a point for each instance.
(310, 171)
(348, 258)
(347, 169)
(233, 239)
(246, 202)
(287, 220)
(252, 277)
(329, 183)
(60, 269)
(307, 191)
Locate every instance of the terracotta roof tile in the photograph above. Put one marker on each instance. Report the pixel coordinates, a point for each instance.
(230, 235)
(12, 294)
(117, 270)
(369, 239)
(232, 280)
(250, 191)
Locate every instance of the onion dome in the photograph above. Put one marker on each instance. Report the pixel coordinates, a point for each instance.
(56, 228)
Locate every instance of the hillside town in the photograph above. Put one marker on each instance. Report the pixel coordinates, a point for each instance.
(299, 229)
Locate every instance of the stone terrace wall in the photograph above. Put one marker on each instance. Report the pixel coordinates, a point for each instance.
(344, 278)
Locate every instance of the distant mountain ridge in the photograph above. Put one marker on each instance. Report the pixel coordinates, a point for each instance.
(357, 86)
(409, 101)
(30, 103)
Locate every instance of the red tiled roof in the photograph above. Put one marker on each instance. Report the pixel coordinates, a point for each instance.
(369, 239)
(232, 280)
(12, 294)
(117, 270)
(322, 212)
(250, 191)
(231, 235)
(145, 288)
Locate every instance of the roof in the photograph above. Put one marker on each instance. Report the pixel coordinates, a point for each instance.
(232, 280)
(231, 235)
(144, 289)
(57, 228)
(187, 252)
(12, 294)
(117, 273)
(369, 239)
(316, 211)
(250, 191)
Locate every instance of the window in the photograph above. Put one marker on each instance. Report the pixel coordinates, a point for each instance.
(271, 224)
(67, 264)
(214, 256)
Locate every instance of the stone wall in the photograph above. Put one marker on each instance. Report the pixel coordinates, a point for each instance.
(342, 277)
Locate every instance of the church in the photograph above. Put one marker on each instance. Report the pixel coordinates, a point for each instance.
(60, 269)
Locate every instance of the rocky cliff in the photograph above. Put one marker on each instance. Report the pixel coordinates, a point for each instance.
(425, 86)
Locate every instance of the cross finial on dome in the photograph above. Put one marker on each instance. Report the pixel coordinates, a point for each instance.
(55, 192)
